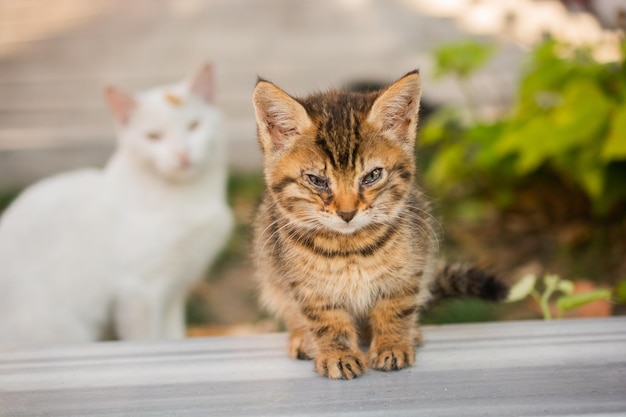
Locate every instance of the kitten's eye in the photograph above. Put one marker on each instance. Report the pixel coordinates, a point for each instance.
(372, 177)
(317, 182)
(193, 125)
(154, 136)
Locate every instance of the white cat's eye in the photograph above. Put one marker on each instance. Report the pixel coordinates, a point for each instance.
(154, 136)
(193, 125)
(317, 182)
(372, 176)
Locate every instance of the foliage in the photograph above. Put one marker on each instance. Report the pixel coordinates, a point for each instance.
(620, 291)
(561, 289)
(461, 59)
(462, 311)
(244, 194)
(7, 197)
(569, 119)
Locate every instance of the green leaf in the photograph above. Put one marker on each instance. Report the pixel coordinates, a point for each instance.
(522, 288)
(530, 141)
(484, 136)
(578, 120)
(582, 116)
(445, 124)
(566, 286)
(570, 302)
(620, 291)
(461, 59)
(615, 145)
(470, 210)
(592, 180)
(585, 168)
(446, 166)
(551, 281)
(545, 74)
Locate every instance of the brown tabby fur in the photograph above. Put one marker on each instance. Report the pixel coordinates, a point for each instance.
(346, 259)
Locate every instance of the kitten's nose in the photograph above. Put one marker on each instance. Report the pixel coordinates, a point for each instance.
(347, 215)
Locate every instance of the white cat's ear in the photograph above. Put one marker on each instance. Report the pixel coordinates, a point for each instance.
(120, 104)
(395, 111)
(203, 84)
(280, 118)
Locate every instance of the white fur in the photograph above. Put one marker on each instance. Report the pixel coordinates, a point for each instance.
(87, 252)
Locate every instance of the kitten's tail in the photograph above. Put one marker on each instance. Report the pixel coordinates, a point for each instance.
(459, 280)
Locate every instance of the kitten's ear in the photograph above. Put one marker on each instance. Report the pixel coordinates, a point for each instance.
(203, 84)
(120, 104)
(395, 111)
(280, 118)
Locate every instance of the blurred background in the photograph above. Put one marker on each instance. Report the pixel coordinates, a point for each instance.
(522, 138)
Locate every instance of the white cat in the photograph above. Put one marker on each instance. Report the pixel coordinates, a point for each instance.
(89, 252)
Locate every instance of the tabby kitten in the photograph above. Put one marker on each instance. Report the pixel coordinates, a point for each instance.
(344, 238)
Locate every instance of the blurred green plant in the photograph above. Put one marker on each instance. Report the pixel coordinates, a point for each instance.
(461, 60)
(620, 291)
(569, 119)
(553, 289)
(7, 197)
(470, 310)
(244, 194)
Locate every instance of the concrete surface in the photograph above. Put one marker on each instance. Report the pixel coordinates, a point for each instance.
(505, 369)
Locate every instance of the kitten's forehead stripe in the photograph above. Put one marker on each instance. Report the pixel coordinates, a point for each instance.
(322, 143)
(339, 135)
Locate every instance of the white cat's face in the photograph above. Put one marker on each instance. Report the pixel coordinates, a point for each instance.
(173, 130)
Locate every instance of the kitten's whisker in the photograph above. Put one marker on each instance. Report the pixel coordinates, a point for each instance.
(289, 223)
(414, 213)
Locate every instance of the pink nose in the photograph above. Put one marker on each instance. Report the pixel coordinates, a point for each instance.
(183, 159)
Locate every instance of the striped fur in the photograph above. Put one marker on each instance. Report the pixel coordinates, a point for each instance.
(345, 243)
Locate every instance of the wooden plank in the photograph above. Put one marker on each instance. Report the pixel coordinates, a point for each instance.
(569, 367)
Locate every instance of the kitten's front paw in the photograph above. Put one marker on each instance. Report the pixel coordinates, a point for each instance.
(300, 346)
(392, 358)
(340, 365)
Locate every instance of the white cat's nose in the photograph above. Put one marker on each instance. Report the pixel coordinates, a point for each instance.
(183, 159)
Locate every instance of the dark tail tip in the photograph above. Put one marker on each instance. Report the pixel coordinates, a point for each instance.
(458, 280)
(493, 289)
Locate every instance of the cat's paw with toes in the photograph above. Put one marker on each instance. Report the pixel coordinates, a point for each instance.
(392, 358)
(340, 365)
(300, 347)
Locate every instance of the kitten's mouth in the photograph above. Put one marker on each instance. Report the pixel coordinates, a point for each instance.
(346, 228)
